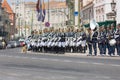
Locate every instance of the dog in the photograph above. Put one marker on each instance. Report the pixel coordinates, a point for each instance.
(24, 49)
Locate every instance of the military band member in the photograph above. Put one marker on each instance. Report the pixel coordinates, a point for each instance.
(104, 40)
(62, 41)
(94, 40)
(78, 40)
(89, 41)
(117, 38)
(100, 41)
(110, 36)
(83, 34)
(75, 40)
(113, 37)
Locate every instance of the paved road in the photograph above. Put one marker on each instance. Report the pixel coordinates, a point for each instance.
(17, 66)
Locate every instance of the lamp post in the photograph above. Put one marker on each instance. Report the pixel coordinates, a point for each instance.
(31, 23)
(70, 4)
(89, 15)
(113, 6)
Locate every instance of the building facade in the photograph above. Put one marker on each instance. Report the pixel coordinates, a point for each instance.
(118, 11)
(10, 23)
(7, 17)
(87, 13)
(102, 9)
(31, 22)
(19, 10)
(56, 13)
(26, 16)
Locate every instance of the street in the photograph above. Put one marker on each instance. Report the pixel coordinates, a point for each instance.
(15, 65)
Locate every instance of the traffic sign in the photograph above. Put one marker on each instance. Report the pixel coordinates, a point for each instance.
(47, 24)
(76, 13)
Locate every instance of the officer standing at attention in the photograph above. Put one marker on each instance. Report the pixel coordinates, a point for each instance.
(83, 34)
(113, 37)
(104, 40)
(62, 41)
(108, 38)
(100, 41)
(89, 41)
(94, 40)
(117, 38)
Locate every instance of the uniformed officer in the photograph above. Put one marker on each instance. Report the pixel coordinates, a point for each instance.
(70, 36)
(113, 37)
(89, 41)
(67, 48)
(94, 40)
(78, 40)
(62, 41)
(110, 36)
(100, 41)
(83, 34)
(74, 40)
(117, 38)
(104, 40)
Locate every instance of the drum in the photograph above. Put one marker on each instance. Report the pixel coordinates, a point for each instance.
(112, 42)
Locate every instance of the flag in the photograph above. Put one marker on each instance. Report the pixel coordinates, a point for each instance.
(40, 7)
(44, 11)
(39, 10)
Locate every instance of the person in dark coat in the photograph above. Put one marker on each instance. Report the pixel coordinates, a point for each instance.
(94, 40)
(117, 38)
(100, 41)
(89, 42)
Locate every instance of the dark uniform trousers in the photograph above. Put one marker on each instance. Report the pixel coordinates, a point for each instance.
(94, 42)
(83, 39)
(111, 49)
(100, 43)
(104, 42)
(89, 41)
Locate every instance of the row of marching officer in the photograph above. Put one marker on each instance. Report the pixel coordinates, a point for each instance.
(76, 40)
(61, 40)
(108, 39)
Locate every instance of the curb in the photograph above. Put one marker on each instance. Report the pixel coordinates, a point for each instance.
(81, 55)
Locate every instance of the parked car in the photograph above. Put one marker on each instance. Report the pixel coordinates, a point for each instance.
(13, 44)
(22, 41)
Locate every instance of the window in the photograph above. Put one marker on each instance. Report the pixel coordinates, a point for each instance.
(102, 10)
(97, 18)
(103, 17)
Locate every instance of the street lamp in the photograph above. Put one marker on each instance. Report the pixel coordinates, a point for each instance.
(113, 5)
(70, 4)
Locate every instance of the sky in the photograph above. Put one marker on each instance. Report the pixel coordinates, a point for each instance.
(25, 0)
(34, 0)
(9, 1)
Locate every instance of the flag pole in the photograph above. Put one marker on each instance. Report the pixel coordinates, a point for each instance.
(31, 23)
(48, 11)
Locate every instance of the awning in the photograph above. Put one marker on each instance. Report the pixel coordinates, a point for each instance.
(105, 23)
